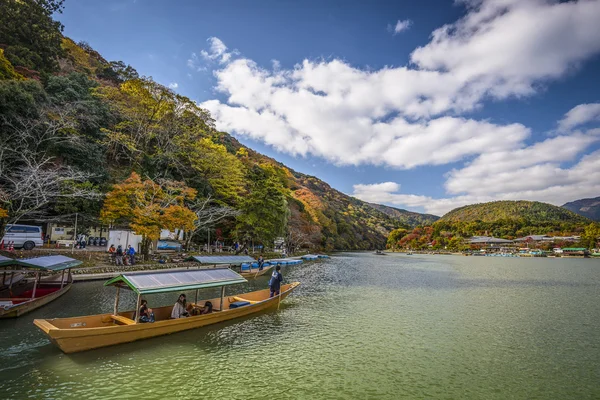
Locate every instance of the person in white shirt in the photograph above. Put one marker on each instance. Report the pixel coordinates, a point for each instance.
(180, 308)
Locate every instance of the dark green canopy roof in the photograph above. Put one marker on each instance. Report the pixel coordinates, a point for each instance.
(160, 282)
(4, 261)
(46, 263)
(231, 260)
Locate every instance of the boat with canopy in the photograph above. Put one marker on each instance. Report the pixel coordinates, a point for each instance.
(248, 265)
(76, 334)
(51, 278)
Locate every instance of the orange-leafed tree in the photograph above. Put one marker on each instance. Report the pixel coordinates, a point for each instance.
(147, 207)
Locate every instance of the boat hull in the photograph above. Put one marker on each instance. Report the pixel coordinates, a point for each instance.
(30, 305)
(253, 273)
(92, 332)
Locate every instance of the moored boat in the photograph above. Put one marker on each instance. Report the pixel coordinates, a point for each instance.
(23, 297)
(249, 272)
(76, 334)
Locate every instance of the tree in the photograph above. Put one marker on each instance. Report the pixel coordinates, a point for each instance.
(207, 215)
(32, 176)
(395, 236)
(591, 235)
(148, 207)
(32, 37)
(265, 210)
(456, 243)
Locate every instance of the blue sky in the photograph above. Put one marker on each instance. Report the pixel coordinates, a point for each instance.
(426, 118)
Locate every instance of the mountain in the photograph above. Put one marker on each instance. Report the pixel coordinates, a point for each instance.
(589, 208)
(88, 137)
(406, 217)
(512, 210)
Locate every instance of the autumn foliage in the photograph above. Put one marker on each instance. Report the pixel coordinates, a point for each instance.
(147, 207)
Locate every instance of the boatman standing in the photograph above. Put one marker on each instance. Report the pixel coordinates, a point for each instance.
(275, 281)
(261, 262)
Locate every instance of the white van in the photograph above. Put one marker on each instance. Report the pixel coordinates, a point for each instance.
(25, 236)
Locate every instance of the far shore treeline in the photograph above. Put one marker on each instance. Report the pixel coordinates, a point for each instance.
(500, 219)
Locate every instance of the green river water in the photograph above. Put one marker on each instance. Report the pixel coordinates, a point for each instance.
(361, 326)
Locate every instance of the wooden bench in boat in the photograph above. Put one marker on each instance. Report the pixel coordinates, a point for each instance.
(123, 320)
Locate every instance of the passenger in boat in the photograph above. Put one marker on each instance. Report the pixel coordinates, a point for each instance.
(207, 309)
(261, 262)
(180, 308)
(146, 314)
(275, 281)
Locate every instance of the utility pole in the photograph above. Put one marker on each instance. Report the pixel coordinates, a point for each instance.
(74, 236)
(208, 242)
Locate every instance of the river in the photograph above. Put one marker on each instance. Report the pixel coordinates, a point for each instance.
(360, 326)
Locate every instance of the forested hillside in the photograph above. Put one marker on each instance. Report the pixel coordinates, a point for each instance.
(589, 208)
(502, 219)
(510, 219)
(407, 217)
(81, 134)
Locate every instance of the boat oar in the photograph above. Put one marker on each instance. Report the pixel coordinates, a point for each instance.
(279, 300)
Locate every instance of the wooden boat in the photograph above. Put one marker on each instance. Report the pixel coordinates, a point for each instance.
(90, 332)
(16, 300)
(255, 272)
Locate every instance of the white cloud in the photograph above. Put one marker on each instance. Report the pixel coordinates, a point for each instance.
(530, 173)
(410, 116)
(217, 51)
(400, 26)
(505, 47)
(580, 115)
(580, 181)
(173, 85)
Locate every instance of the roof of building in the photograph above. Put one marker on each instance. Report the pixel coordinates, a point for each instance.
(230, 260)
(487, 239)
(535, 238)
(160, 282)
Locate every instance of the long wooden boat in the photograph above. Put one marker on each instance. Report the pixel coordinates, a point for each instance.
(255, 272)
(77, 334)
(16, 300)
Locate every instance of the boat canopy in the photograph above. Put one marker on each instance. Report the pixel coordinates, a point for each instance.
(160, 282)
(231, 260)
(46, 263)
(4, 261)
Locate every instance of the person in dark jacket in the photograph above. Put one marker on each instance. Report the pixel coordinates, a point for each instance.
(275, 281)
(119, 255)
(261, 263)
(146, 314)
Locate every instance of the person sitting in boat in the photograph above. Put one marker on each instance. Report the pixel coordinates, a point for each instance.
(275, 281)
(207, 309)
(180, 308)
(146, 314)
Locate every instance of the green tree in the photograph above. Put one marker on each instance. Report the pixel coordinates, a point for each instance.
(264, 209)
(395, 236)
(32, 37)
(591, 235)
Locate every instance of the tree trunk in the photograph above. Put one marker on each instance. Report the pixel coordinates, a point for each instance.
(145, 250)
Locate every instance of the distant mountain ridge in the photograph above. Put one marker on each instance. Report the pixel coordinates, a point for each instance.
(589, 208)
(410, 218)
(512, 210)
